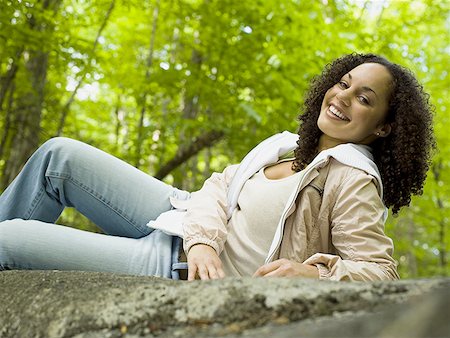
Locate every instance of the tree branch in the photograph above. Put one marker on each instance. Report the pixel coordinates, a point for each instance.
(183, 154)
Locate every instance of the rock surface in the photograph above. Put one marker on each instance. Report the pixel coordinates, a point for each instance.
(88, 304)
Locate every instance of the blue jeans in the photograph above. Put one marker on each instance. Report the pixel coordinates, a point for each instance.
(117, 197)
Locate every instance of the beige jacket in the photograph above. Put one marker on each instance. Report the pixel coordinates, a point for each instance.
(335, 221)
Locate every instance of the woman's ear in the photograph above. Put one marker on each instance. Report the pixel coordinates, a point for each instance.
(384, 130)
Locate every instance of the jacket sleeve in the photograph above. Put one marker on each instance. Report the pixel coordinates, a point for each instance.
(206, 219)
(364, 252)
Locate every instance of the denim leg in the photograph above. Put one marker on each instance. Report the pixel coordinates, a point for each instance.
(31, 244)
(117, 197)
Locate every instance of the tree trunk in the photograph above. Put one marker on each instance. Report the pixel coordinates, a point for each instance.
(190, 112)
(66, 107)
(118, 120)
(8, 79)
(25, 113)
(442, 250)
(7, 123)
(437, 170)
(143, 99)
(411, 257)
(26, 117)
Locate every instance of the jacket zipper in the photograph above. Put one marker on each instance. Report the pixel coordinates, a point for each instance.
(280, 227)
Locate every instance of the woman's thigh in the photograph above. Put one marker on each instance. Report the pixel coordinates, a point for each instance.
(30, 244)
(63, 172)
(109, 191)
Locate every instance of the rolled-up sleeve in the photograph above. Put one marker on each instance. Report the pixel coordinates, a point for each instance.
(206, 219)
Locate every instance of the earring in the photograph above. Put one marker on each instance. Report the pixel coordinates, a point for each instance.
(378, 133)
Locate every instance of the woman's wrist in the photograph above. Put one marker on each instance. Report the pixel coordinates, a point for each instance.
(190, 243)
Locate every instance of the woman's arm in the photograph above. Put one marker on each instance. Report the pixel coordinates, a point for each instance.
(205, 226)
(364, 252)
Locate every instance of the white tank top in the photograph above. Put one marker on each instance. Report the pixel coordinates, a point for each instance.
(254, 221)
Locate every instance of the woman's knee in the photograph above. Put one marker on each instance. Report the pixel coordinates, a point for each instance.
(8, 236)
(16, 233)
(9, 227)
(64, 150)
(13, 240)
(5, 226)
(57, 144)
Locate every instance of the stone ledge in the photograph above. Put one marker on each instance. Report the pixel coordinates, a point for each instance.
(89, 304)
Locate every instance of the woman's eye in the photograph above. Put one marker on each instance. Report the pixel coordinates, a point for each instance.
(343, 84)
(364, 100)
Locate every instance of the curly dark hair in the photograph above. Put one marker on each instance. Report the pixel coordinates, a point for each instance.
(404, 156)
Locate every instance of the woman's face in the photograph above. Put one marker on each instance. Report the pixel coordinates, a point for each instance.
(355, 108)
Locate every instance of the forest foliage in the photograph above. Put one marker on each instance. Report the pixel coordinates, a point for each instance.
(182, 88)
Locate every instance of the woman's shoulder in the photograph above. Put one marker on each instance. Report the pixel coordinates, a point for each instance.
(355, 184)
(340, 172)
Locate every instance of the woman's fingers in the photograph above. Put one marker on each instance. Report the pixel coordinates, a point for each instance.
(274, 273)
(192, 271)
(203, 272)
(212, 272)
(204, 262)
(287, 268)
(267, 268)
(221, 273)
(216, 271)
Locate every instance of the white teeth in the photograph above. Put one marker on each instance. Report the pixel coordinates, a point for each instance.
(338, 113)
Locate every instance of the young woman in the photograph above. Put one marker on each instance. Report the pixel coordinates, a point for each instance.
(306, 205)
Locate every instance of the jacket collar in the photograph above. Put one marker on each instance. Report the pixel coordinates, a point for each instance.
(271, 149)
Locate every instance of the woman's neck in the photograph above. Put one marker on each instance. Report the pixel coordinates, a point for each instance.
(326, 142)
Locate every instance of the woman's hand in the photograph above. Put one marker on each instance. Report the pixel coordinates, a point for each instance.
(286, 268)
(204, 262)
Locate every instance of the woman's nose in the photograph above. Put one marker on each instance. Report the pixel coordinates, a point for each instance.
(343, 96)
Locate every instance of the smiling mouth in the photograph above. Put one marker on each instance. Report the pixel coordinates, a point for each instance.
(337, 113)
